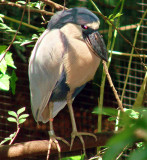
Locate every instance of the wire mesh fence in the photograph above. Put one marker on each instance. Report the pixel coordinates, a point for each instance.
(88, 98)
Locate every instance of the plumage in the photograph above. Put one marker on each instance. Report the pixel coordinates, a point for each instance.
(45, 69)
(64, 59)
(80, 16)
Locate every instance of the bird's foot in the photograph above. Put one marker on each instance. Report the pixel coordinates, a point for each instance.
(80, 134)
(54, 139)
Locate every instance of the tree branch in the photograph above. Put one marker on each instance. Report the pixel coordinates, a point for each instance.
(22, 7)
(40, 147)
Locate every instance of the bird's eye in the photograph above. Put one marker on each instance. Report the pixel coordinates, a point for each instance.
(84, 26)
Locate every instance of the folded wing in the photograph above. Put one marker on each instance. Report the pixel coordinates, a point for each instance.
(45, 69)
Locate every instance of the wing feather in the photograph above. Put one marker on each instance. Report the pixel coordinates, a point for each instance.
(45, 68)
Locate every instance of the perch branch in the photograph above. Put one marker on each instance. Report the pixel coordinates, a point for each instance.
(112, 86)
(40, 147)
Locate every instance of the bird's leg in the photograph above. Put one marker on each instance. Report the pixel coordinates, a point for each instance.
(53, 137)
(74, 127)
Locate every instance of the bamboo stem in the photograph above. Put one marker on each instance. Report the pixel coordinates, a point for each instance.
(17, 21)
(100, 105)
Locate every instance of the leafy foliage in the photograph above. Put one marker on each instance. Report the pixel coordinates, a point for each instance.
(134, 129)
(18, 118)
(6, 61)
(133, 132)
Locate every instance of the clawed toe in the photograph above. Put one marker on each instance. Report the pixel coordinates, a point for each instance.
(63, 140)
(80, 134)
(54, 139)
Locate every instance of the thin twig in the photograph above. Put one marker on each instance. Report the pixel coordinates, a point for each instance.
(117, 158)
(112, 86)
(16, 133)
(14, 36)
(53, 4)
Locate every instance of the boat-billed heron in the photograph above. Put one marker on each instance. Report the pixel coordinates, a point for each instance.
(64, 59)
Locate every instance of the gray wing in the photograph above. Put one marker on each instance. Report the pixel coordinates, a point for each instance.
(45, 68)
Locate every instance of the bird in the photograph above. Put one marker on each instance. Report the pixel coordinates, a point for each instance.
(65, 57)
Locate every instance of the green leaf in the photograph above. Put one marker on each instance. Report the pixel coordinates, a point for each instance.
(9, 60)
(140, 96)
(79, 157)
(23, 116)
(11, 119)
(25, 42)
(17, 42)
(4, 26)
(1, 15)
(13, 80)
(12, 113)
(21, 110)
(12, 135)
(118, 15)
(109, 17)
(105, 111)
(118, 142)
(2, 48)
(1, 20)
(5, 140)
(34, 36)
(21, 2)
(140, 144)
(139, 154)
(3, 64)
(21, 121)
(37, 5)
(8, 138)
(112, 118)
(4, 82)
(131, 113)
(11, 31)
(41, 30)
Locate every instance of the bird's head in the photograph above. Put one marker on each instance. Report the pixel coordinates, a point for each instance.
(84, 24)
